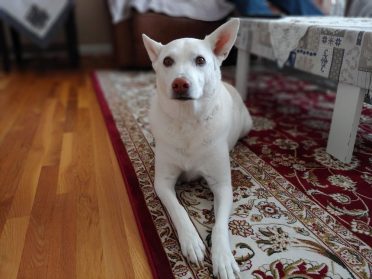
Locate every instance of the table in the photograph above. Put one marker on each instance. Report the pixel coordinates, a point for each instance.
(335, 48)
(38, 21)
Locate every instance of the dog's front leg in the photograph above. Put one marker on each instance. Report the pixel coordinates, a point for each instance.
(218, 176)
(165, 179)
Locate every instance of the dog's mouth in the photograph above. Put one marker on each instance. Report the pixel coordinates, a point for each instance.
(182, 98)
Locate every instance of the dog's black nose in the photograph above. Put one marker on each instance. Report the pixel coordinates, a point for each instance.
(180, 86)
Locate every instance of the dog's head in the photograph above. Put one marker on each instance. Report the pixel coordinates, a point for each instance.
(189, 69)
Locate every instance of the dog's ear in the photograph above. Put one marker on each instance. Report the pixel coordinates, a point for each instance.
(223, 38)
(153, 48)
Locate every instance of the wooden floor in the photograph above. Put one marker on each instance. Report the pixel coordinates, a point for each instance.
(64, 211)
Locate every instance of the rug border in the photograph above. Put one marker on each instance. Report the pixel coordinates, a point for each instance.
(158, 262)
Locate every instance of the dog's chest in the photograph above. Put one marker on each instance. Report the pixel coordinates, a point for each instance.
(188, 137)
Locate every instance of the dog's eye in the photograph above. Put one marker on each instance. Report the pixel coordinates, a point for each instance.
(167, 62)
(200, 61)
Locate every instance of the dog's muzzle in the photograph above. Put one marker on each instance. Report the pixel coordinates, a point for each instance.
(181, 89)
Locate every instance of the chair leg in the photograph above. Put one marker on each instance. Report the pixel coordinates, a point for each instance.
(71, 39)
(4, 49)
(17, 46)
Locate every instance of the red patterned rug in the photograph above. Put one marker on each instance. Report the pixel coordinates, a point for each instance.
(298, 213)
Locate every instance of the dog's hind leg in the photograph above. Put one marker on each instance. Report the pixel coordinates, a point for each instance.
(165, 179)
(247, 121)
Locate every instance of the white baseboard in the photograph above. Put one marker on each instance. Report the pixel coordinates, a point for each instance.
(95, 49)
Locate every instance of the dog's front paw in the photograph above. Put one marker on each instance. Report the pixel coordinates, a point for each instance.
(192, 246)
(224, 264)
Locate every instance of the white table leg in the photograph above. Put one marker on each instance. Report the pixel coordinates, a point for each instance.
(242, 72)
(345, 121)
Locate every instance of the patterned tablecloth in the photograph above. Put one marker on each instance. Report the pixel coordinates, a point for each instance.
(36, 19)
(337, 48)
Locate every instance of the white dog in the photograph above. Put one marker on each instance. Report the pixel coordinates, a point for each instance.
(196, 120)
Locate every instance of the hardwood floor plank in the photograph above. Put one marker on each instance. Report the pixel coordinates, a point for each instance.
(52, 154)
(11, 245)
(89, 246)
(64, 176)
(12, 153)
(61, 236)
(36, 245)
(12, 93)
(4, 81)
(24, 197)
(71, 110)
(83, 100)
(63, 93)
